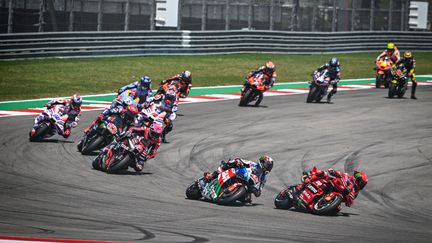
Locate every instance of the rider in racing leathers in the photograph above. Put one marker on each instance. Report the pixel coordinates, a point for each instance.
(334, 71)
(260, 171)
(354, 183)
(182, 81)
(140, 90)
(408, 62)
(71, 109)
(167, 103)
(392, 52)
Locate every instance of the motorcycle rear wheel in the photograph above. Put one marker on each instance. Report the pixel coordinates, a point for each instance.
(232, 197)
(321, 206)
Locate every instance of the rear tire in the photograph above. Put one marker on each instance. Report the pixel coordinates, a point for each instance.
(392, 90)
(378, 81)
(232, 197)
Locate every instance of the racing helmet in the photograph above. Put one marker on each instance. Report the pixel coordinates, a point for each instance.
(155, 131)
(76, 100)
(269, 66)
(390, 47)
(334, 62)
(131, 112)
(407, 55)
(170, 96)
(186, 76)
(361, 179)
(266, 163)
(145, 82)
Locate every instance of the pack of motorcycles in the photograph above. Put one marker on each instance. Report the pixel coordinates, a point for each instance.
(230, 186)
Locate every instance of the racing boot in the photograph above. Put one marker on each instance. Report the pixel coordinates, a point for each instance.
(164, 138)
(139, 166)
(248, 198)
(329, 96)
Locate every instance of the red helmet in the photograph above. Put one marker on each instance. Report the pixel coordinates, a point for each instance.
(155, 131)
(131, 112)
(361, 179)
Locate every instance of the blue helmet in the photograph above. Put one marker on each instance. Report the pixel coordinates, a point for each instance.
(145, 82)
(334, 62)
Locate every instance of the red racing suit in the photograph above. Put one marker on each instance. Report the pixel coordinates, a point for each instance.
(271, 75)
(349, 193)
(147, 140)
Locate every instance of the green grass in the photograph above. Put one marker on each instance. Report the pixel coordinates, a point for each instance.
(26, 79)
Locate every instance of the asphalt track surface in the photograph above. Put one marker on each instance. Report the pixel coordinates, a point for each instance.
(50, 190)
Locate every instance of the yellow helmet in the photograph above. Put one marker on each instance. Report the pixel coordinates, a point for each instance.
(408, 55)
(390, 46)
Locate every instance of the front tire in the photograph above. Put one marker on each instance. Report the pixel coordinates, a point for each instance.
(193, 192)
(40, 132)
(392, 90)
(283, 201)
(321, 206)
(93, 144)
(232, 197)
(311, 96)
(246, 97)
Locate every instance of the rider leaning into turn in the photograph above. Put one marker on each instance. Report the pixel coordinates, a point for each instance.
(269, 69)
(355, 182)
(167, 102)
(183, 81)
(72, 109)
(392, 52)
(334, 71)
(140, 89)
(408, 62)
(260, 171)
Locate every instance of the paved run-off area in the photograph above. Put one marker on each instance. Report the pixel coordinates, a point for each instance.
(49, 190)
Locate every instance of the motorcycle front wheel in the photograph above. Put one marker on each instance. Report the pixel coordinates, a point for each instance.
(117, 164)
(92, 144)
(193, 192)
(231, 197)
(40, 132)
(246, 97)
(282, 200)
(322, 206)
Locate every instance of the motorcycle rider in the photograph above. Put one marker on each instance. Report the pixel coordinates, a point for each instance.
(167, 103)
(334, 72)
(260, 171)
(71, 109)
(140, 90)
(392, 52)
(151, 136)
(183, 81)
(269, 69)
(355, 182)
(408, 62)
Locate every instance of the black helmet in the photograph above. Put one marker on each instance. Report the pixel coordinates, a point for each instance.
(145, 81)
(186, 76)
(266, 163)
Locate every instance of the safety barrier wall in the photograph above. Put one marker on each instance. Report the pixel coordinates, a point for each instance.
(141, 43)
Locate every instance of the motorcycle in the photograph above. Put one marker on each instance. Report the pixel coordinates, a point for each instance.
(102, 134)
(399, 84)
(383, 72)
(254, 90)
(123, 153)
(230, 186)
(53, 122)
(318, 87)
(318, 197)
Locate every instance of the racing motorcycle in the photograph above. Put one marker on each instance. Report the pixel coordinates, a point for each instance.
(230, 186)
(105, 131)
(254, 90)
(398, 85)
(383, 72)
(318, 197)
(53, 122)
(319, 86)
(123, 153)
